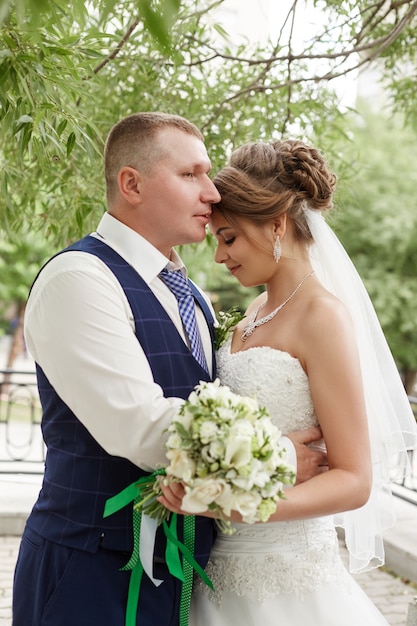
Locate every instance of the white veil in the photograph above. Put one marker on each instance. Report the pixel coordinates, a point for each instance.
(392, 426)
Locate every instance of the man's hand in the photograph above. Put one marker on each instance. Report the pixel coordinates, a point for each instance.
(310, 451)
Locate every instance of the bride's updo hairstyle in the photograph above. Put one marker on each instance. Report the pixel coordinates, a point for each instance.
(266, 180)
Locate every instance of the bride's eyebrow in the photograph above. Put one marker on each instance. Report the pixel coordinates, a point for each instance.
(221, 229)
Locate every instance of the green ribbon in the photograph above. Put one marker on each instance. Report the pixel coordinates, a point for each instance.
(183, 571)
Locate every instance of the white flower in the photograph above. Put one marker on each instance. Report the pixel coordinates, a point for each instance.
(208, 431)
(245, 483)
(174, 441)
(250, 408)
(271, 489)
(247, 503)
(241, 428)
(239, 444)
(181, 465)
(203, 492)
(185, 418)
(216, 449)
(212, 452)
(225, 499)
(238, 451)
(226, 413)
(261, 479)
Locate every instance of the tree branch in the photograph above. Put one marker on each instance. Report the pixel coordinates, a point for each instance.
(115, 52)
(118, 48)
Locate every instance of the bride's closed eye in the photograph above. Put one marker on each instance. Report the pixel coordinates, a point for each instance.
(229, 242)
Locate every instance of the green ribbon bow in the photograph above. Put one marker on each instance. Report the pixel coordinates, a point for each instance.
(183, 571)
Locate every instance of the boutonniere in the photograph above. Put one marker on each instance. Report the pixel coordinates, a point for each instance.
(227, 320)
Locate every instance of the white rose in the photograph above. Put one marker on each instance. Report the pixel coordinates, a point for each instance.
(225, 498)
(203, 492)
(181, 466)
(247, 503)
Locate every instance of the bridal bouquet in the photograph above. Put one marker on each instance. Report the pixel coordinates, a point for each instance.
(226, 450)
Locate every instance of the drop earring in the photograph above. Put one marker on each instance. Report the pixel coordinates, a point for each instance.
(277, 249)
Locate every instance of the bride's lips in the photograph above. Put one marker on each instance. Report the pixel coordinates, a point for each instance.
(233, 269)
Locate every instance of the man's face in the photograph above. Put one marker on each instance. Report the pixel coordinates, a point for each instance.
(177, 194)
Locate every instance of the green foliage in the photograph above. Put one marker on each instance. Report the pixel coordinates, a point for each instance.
(67, 81)
(21, 257)
(69, 71)
(376, 219)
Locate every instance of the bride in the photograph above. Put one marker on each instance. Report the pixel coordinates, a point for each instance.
(311, 349)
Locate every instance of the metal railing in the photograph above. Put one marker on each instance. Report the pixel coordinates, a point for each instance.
(21, 445)
(406, 487)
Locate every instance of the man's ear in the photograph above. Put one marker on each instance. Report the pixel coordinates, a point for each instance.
(128, 180)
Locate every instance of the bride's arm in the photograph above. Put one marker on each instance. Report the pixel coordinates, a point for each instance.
(330, 358)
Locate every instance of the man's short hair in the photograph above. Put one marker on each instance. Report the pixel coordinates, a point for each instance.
(131, 143)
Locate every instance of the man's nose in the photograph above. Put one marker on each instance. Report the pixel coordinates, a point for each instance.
(210, 193)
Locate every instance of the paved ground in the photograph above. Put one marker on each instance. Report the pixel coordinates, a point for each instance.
(389, 593)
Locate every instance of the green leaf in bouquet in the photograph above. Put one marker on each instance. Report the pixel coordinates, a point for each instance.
(227, 322)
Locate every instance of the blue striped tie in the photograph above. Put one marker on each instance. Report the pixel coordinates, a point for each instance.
(178, 284)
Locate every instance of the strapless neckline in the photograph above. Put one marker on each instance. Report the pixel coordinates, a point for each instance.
(260, 348)
(275, 378)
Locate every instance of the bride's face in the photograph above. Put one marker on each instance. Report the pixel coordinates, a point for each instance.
(246, 251)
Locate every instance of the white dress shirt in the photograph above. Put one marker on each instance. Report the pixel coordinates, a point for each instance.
(79, 328)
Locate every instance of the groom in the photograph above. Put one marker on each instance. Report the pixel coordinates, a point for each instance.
(114, 364)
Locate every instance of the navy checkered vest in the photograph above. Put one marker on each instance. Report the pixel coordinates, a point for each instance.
(79, 474)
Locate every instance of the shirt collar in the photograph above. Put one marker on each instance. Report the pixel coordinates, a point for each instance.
(135, 249)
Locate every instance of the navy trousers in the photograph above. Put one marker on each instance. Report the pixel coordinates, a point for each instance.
(59, 586)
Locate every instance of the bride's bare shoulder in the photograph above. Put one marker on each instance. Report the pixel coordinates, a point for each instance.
(324, 312)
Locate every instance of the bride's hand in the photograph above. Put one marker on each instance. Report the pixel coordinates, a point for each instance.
(173, 494)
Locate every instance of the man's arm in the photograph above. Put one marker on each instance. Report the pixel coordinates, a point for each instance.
(310, 453)
(79, 329)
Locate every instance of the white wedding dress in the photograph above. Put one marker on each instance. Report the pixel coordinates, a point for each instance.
(280, 573)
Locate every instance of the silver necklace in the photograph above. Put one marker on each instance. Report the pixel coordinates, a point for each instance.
(252, 325)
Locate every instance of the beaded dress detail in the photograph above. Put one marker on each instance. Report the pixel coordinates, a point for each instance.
(286, 573)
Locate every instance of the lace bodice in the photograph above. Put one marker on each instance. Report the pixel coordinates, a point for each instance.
(275, 377)
(278, 557)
